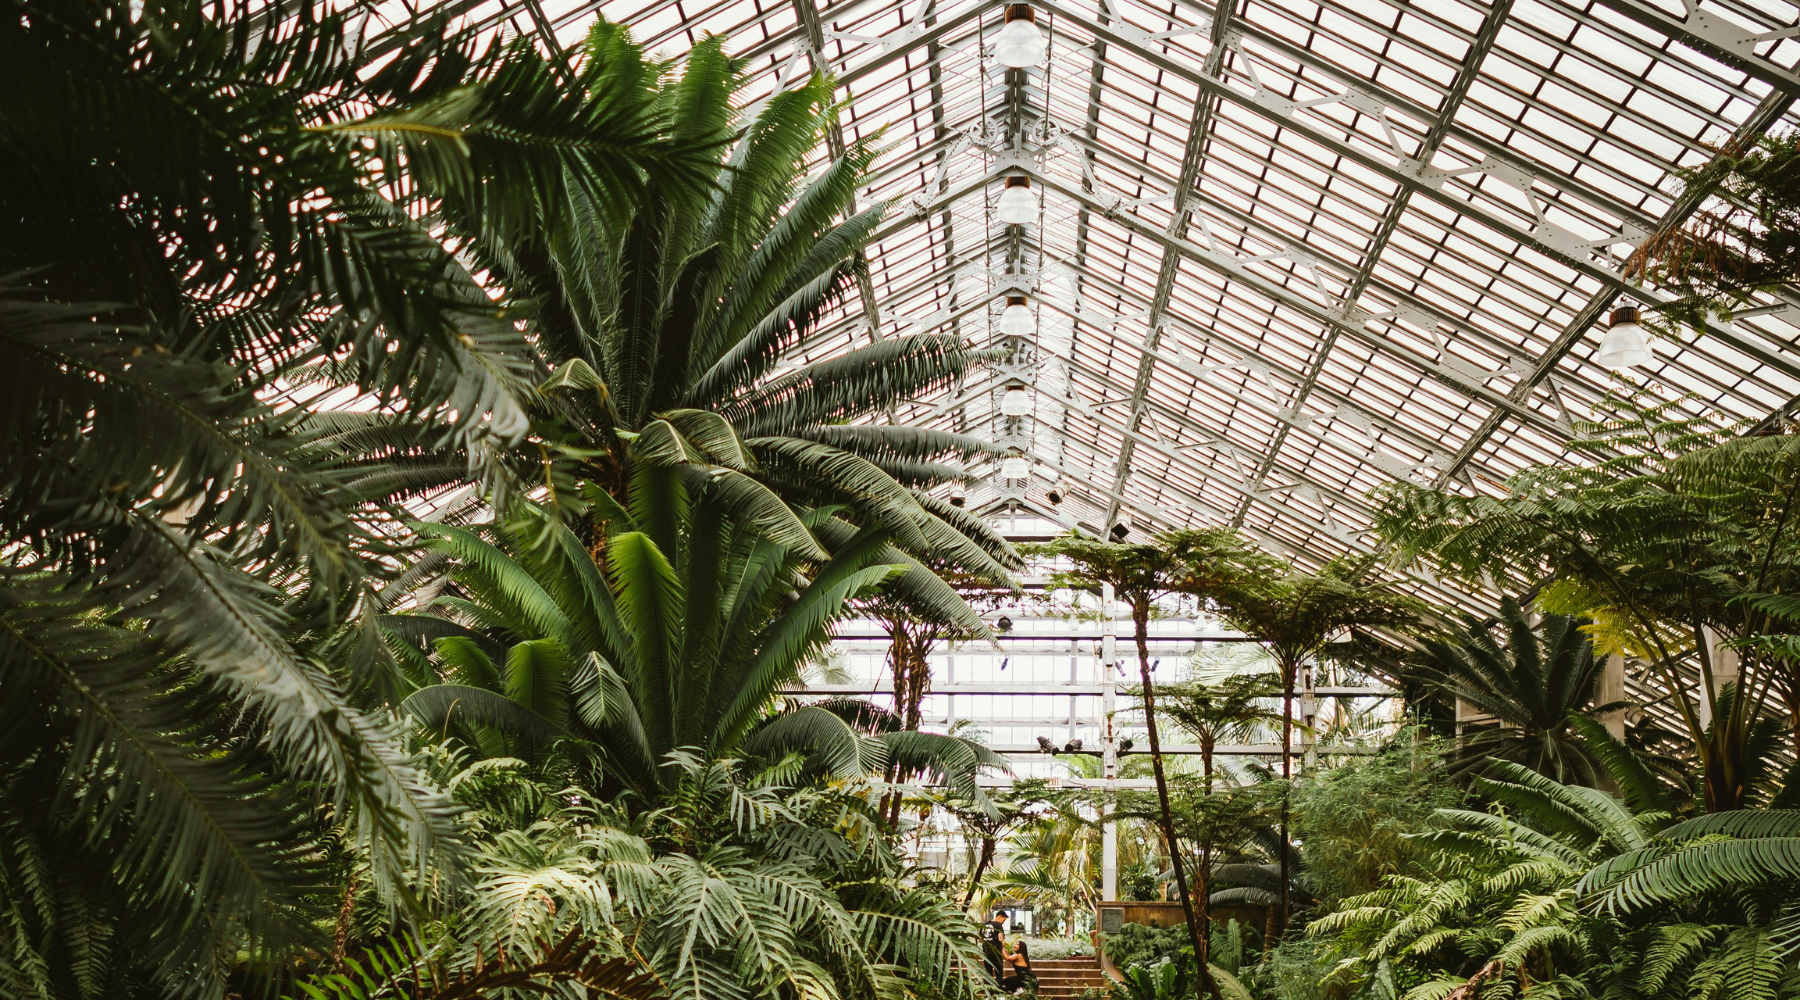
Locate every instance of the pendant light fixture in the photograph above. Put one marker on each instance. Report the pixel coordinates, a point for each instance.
(1625, 344)
(1017, 204)
(1015, 401)
(1015, 319)
(1015, 466)
(1021, 43)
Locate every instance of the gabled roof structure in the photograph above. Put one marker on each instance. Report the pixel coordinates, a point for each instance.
(1284, 250)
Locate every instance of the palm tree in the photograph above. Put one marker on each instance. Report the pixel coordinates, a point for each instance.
(1295, 617)
(201, 201)
(1532, 679)
(1231, 709)
(680, 636)
(1139, 574)
(666, 328)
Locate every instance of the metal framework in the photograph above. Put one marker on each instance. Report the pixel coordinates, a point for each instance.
(1288, 250)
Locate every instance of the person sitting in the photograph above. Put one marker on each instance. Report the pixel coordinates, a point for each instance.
(1018, 967)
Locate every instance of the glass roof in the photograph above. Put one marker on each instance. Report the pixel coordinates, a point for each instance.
(1285, 251)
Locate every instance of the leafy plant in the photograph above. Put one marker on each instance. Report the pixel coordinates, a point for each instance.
(1742, 242)
(1138, 574)
(646, 652)
(208, 208)
(1678, 538)
(1296, 617)
(1531, 678)
(668, 324)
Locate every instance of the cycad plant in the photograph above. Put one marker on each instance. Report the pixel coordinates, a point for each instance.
(680, 635)
(738, 885)
(201, 200)
(671, 326)
(1532, 679)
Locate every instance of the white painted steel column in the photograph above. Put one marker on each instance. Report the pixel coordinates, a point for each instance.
(1109, 830)
(1611, 688)
(1724, 671)
(1309, 716)
(950, 699)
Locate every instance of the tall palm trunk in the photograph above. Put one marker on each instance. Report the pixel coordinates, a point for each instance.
(981, 865)
(1289, 671)
(1140, 622)
(912, 676)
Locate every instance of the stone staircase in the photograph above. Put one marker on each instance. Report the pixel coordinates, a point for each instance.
(1065, 978)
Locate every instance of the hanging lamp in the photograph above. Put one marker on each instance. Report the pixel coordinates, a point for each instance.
(1017, 204)
(1625, 345)
(1015, 401)
(1015, 466)
(1015, 319)
(1021, 42)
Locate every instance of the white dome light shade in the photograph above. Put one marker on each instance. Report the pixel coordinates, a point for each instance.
(1015, 467)
(1625, 344)
(1017, 204)
(1016, 401)
(1015, 319)
(1020, 44)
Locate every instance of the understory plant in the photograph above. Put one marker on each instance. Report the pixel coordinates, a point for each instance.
(741, 884)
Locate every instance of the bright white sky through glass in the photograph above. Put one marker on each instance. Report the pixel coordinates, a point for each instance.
(1400, 221)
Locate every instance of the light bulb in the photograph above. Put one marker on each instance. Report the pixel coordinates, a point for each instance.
(1625, 344)
(1015, 402)
(1015, 319)
(1015, 467)
(1017, 204)
(1020, 44)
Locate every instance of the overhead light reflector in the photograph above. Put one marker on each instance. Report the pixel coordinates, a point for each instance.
(1015, 467)
(1017, 205)
(1625, 344)
(1016, 401)
(1015, 320)
(1020, 44)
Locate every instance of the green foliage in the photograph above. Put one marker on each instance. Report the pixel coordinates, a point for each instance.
(395, 969)
(665, 320)
(1360, 820)
(1682, 531)
(1532, 678)
(1165, 980)
(737, 885)
(1568, 891)
(1142, 944)
(209, 207)
(1743, 241)
(644, 653)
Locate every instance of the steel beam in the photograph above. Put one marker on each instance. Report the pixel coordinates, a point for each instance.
(1766, 115)
(1390, 222)
(1718, 38)
(834, 140)
(1205, 106)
